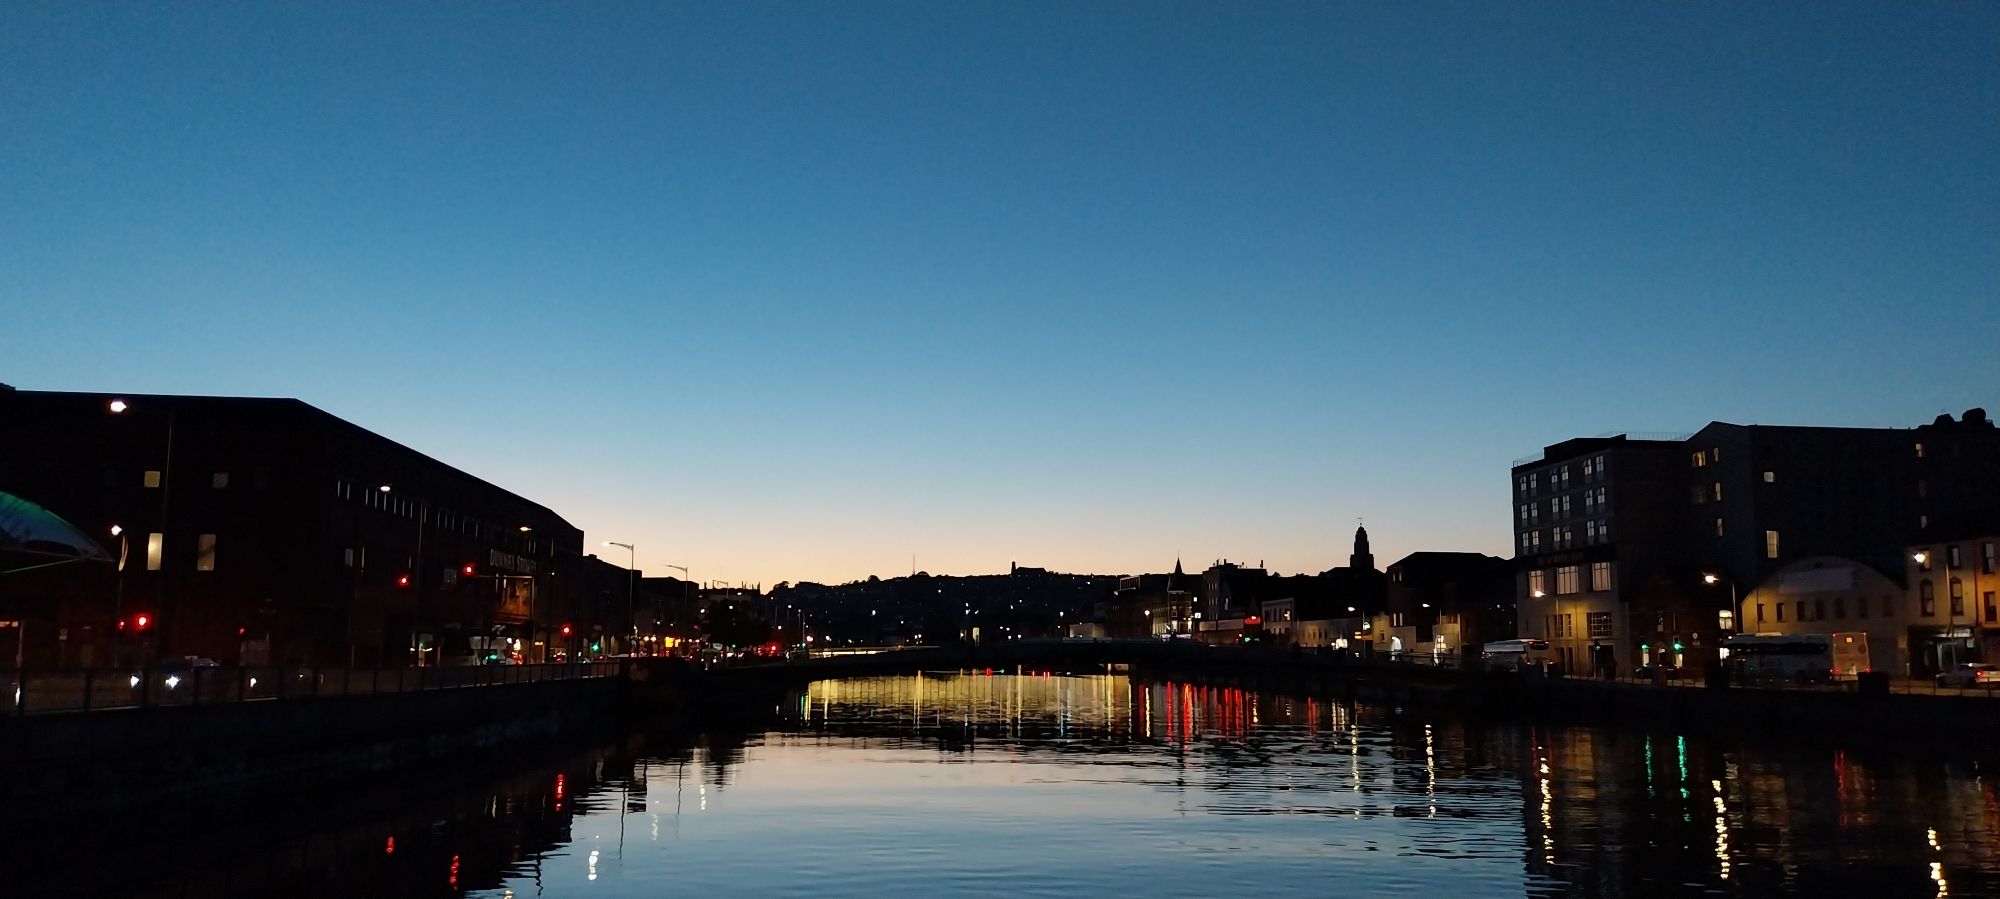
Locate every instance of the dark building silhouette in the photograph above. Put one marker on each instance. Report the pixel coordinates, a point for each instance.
(267, 531)
(1153, 605)
(1358, 590)
(1450, 602)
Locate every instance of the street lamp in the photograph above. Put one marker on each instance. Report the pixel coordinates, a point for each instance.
(417, 572)
(631, 575)
(1950, 611)
(1712, 580)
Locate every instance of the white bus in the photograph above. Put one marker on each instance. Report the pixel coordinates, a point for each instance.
(1515, 655)
(1796, 658)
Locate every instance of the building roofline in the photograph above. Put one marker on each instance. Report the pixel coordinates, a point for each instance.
(297, 406)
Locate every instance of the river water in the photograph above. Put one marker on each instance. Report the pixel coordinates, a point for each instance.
(1049, 785)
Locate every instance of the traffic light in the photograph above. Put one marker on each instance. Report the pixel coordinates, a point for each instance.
(468, 570)
(1677, 646)
(566, 630)
(141, 622)
(402, 580)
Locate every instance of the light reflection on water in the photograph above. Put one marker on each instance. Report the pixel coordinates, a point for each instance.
(1055, 785)
(977, 784)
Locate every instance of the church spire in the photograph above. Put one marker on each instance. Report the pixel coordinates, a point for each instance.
(1362, 558)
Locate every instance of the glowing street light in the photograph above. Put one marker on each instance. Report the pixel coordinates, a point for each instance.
(631, 574)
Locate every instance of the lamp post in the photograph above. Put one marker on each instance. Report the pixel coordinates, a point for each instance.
(416, 575)
(631, 576)
(1950, 611)
(686, 604)
(1734, 611)
(158, 643)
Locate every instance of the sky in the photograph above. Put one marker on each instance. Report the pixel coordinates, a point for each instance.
(812, 291)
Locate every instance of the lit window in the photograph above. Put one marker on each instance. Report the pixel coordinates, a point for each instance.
(1726, 619)
(1770, 544)
(219, 480)
(1926, 599)
(1566, 580)
(1600, 576)
(152, 478)
(1718, 491)
(1923, 557)
(155, 545)
(1699, 459)
(1536, 583)
(204, 552)
(1718, 527)
(1920, 450)
(1951, 559)
(1770, 477)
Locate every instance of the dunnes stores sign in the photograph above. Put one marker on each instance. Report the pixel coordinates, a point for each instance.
(510, 562)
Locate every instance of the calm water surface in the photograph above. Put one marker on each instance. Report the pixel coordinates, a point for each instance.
(950, 784)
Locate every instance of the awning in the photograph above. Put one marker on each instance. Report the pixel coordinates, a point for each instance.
(33, 537)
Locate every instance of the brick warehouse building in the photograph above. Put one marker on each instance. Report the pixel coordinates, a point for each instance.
(267, 531)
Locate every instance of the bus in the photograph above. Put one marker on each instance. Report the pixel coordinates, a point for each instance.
(1850, 654)
(1796, 658)
(1516, 655)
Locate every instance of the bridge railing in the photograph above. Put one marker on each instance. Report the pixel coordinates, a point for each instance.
(41, 692)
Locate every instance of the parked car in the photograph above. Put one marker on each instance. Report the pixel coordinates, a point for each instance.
(1970, 674)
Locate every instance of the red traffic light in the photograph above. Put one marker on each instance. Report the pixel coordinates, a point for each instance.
(402, 580)
(468, 570)
(565, 630)
(142, 621)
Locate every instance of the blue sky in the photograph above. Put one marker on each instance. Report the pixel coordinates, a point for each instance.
(786, 291)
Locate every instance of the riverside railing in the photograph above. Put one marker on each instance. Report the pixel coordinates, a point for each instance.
(40, 692)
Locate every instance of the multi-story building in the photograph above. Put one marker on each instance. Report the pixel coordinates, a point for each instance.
(1954, 601)
(267, 531)
(1763, 496)
(1597, 535)
(1715, 517)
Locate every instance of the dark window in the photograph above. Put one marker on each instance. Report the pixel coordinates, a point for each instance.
(1926, 600)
